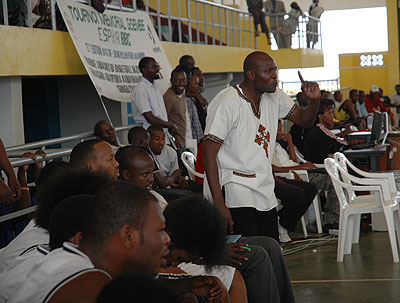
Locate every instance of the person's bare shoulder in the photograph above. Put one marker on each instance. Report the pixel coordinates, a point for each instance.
(84, 288)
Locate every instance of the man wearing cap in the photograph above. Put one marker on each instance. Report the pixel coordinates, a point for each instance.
(372, 100)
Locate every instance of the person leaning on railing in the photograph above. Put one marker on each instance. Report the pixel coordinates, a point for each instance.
(12, 192)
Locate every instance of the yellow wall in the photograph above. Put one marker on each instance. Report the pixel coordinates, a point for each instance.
(362, 78)
(35, 52)
(387, 76)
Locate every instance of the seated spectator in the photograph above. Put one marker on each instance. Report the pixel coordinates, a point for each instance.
(345, 112)
(175, 104)
(137, 166)
(140, 287)
(147, 102)
(124, 233)
(285, 161)
(361, 104)
(372, 100)
(58, 186)
(138, 136)
(338, 98)
(191, 92)
(97, 156)
(255, 8)
(396, 96)
(66, 225)
(106, 132)
(11, 192)
(198, 235)
(298, 132)
(296, 195)
(164, 155)
(320, 142)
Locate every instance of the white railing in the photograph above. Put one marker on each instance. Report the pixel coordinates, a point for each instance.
(202, 22)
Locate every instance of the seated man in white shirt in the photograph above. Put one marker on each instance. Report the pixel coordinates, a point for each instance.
(106, 132)
(59, 185)
(66, 224)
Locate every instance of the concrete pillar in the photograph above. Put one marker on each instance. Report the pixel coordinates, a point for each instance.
(11, 115)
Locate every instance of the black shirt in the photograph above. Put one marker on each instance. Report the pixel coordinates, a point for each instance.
(318, 145)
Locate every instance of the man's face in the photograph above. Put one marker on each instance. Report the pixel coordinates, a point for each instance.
(361, 96)
(104, 161)
(107, 133)
(265, 78)
(398, 89)
(354, 96)
(199, 74)
(141, 171)
(178, 82)
(152, 71)
(193, 86)
(177, 256)
(327, 118)
(153, 249)
(339, 97)
(190, 63)
(157, 141)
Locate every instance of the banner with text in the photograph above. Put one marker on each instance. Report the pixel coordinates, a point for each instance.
(111, 44)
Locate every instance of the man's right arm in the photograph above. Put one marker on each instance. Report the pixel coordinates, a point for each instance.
(210, 151)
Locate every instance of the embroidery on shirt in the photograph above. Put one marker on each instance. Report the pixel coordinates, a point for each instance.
(244, 175)
(263, 138)
(291, 112)
(213, 138)
(256, 113)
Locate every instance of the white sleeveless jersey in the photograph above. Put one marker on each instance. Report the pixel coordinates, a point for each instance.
(52, 272)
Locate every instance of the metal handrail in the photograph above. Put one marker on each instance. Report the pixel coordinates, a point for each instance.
(60, 140)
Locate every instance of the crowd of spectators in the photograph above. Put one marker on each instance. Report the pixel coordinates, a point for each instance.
(118, 215)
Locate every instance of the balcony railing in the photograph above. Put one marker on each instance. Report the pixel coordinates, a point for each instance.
(197, 22)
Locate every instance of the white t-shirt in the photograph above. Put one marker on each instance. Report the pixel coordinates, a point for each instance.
(15, 275)
(395, 99)
(224, 273)
(167, 161)
(247, 145)
(52, 272)
(281, 157)
(146, 97)
(32, 235)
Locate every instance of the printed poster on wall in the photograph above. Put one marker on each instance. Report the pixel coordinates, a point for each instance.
(111, 45)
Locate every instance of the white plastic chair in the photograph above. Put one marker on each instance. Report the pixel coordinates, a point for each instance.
(353, 205)
(317, 205)
(189, 161)
(300, 159)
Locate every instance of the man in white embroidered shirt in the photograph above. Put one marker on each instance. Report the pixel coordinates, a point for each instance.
(239, 141)
(147, 101)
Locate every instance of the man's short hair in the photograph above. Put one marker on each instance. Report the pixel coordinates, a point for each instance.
(145, 62)
(154, 128)
(127, 154)
(68, 219)
(83, 152)
(117, 203)
(141, 288)
(352, 91)
(195, 225)
(183, 60)
(137, 134)
(179, 69)
(97, 127)
(64, 184)
(396, 86)
(336, 93)
(50, 169)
